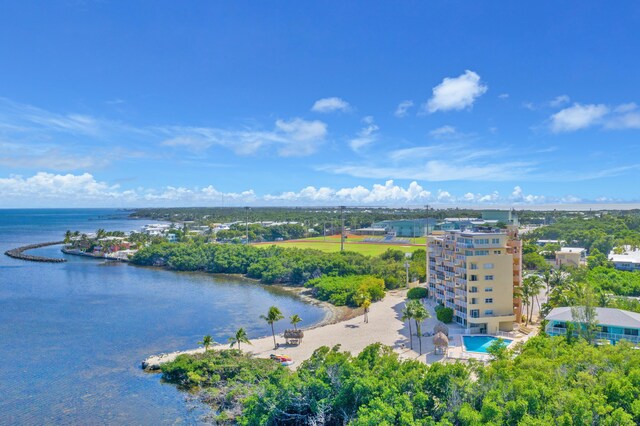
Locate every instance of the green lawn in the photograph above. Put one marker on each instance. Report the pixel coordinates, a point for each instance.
(333, 244)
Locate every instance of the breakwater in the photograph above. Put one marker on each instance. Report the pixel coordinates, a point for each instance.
(19, 253)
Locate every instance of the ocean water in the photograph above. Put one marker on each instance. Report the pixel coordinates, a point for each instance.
(72, 334)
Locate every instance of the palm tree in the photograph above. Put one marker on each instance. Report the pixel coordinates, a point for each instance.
(531, 286)
(206, 342)
(295, 319)
(420, 314)
(272, 316)
(240, 337)
(407, 315)
(67, 237)
(366, 303)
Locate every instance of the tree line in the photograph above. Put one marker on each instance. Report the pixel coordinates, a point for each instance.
(280, 265)
(546, 381)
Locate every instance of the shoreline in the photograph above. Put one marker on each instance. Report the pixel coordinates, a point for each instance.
(385, 326)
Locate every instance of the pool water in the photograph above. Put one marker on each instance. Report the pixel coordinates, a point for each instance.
(481, 343)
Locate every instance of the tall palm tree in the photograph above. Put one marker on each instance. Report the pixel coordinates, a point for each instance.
(531, 286)
(67, 237)
(272, 316)
(295, 319)
(420, 314)
(240, 337)
(407, 315)
(206, 342)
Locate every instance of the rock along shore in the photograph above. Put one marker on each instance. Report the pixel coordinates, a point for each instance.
(19, 253)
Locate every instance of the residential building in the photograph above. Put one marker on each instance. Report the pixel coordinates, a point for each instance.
(629, 260)
(474, 274)
(571, 256)
(411, 228)
(614, 325)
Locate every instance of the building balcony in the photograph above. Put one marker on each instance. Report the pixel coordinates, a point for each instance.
(612, 337)
(482, 318)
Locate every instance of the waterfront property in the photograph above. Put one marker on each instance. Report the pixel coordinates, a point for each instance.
(628, 260)
(571, 256)
(614, 325)
(474, 273)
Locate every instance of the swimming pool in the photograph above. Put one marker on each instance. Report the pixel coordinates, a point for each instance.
(481, 343)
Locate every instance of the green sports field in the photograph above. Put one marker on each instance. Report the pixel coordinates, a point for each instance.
(332, 244)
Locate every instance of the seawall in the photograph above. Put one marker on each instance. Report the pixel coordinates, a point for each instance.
(18, 253)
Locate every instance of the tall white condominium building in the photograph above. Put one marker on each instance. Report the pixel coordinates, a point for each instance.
(474, 273)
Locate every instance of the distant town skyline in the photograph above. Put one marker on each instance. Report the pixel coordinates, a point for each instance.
(246, 103)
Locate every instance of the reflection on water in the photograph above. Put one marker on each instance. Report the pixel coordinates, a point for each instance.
(72, 334)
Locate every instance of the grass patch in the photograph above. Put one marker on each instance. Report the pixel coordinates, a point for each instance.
(328, 246)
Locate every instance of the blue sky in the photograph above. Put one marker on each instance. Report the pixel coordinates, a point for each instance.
(298, 103)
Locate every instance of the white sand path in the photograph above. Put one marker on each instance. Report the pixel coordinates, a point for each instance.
(385, 326)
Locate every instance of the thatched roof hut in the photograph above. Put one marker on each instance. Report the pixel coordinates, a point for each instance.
(441, 328)
(441, 342)
(293, 336)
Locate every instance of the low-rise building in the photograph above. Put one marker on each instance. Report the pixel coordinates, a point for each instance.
(614, 325)
(411, 228)
(571, 256)
(629, 260)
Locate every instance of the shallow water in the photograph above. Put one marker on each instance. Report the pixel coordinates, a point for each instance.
(72, 334)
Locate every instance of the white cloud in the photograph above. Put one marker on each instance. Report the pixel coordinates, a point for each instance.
(518, 196)
(443, 132)
(503, 96)
(456, 93)
(292, 138)
(331, 105)
(577, 117)
(366, 135)
(558, 101)
(403, 108)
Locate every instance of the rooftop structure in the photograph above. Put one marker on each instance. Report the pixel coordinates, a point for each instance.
(508, 217)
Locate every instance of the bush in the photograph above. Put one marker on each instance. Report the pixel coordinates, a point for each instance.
(349, 290)
(417, 293)
(444, 314)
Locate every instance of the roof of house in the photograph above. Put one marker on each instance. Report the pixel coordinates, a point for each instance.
(572, 250)
(605, 316)
(629, 256)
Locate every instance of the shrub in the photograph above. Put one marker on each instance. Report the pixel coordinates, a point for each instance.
(349, 290)
(417, 293)
(444, 314)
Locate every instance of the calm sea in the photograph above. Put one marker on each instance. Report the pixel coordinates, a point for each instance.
(72, 334)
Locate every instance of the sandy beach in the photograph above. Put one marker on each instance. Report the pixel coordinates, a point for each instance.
(352, 334)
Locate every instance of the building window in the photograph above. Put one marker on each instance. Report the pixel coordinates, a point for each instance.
(496, 252)
(488, 312)
(488, 277)
(631, 331)
(474, 278)
(475, 313)
(488, 266)
(496, 241)
(488, 300)
(473, 290)
(482, 252)
(474, 301)
(488, 289)
(474, 266)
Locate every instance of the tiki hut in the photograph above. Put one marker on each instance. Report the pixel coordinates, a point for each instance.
(441, 342)
(293, 337)
(441, 328)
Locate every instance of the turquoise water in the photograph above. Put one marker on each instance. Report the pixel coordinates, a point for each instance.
(481, 343)
(72, 334)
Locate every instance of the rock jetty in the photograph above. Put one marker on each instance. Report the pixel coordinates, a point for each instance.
(19, 253)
